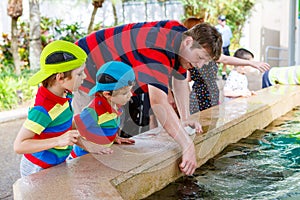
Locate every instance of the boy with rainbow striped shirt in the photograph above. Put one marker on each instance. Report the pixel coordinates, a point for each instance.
(99, 122)
(46, 137)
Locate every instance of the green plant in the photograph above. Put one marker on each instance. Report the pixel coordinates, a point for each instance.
(14, 89)
(53, 29)
(72, 32)
(236, 12)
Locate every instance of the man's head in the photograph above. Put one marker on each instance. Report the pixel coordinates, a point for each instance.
(58, 57)
(222, 20)
(200, 44)
(112, 76)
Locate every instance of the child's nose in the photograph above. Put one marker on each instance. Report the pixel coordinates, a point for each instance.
(84, 75)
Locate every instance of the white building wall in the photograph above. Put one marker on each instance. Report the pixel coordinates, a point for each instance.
(5, 19)
(271, 15)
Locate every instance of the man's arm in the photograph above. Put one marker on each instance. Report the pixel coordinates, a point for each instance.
(182, 98)
(171, 123)
(229, 60)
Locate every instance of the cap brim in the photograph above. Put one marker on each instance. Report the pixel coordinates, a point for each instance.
(93, 90)
(38, 78)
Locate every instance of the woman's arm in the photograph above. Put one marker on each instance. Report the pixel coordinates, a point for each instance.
(229, 60)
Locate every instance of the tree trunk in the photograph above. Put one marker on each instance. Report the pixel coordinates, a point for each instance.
(90, 28)
(15, 10)
(97, 4)
(115, 13)
(14, 46)
(35, 45)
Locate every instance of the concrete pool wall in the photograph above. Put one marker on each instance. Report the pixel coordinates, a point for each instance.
(136, 171)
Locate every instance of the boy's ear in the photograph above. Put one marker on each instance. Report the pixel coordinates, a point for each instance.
(106, 94)
(59, 76)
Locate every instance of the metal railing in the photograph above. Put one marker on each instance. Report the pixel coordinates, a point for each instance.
(280, 52)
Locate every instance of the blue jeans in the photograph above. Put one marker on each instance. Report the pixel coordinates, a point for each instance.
(265, 80)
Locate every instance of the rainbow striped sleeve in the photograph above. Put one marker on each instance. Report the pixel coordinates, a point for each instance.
(38, 119)
(100, 130)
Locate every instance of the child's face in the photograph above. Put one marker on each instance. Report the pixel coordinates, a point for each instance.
(121, 96)
(240, 69)
(78, 76)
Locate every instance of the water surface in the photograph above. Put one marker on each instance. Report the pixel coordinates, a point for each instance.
(266, 165)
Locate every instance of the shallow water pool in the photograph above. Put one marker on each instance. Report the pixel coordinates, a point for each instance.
(266, 165)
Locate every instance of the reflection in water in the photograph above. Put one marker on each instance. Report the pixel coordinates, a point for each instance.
(265, 165)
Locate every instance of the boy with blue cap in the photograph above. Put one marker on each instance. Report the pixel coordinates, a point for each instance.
(46, 137)
(99, 122)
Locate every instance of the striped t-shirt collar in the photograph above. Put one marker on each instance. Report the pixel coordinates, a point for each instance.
(46, 94)
(107, 106)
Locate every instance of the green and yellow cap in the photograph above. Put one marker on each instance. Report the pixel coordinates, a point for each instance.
(57, 57)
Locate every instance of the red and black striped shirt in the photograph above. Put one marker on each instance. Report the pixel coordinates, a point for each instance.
(151, 48)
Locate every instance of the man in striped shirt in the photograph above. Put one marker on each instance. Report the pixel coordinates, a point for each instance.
(160, 53)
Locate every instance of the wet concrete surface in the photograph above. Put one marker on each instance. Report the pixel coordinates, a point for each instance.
(9, 171)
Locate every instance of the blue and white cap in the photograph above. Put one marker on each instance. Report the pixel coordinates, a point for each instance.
(112, 76)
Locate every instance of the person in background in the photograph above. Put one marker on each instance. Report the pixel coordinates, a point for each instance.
(281, 75)
(205, 91)
(46, 137)
(226, 33)
(99, 123)
(237, 84)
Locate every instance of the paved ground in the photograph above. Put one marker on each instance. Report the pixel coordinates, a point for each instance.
(9, 171)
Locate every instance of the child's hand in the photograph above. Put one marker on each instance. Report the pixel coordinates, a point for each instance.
(69, 138)
(246, 94)
(120, 140)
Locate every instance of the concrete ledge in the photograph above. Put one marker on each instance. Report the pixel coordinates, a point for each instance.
(11, 115)
(136, 171)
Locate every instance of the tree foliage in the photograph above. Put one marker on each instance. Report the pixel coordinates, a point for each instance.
(14, 88)
(236, 11)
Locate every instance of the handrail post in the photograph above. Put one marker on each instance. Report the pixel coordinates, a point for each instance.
(292, 29)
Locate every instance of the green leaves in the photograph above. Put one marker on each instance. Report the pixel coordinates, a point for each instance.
(14, 90)
(236, 12)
